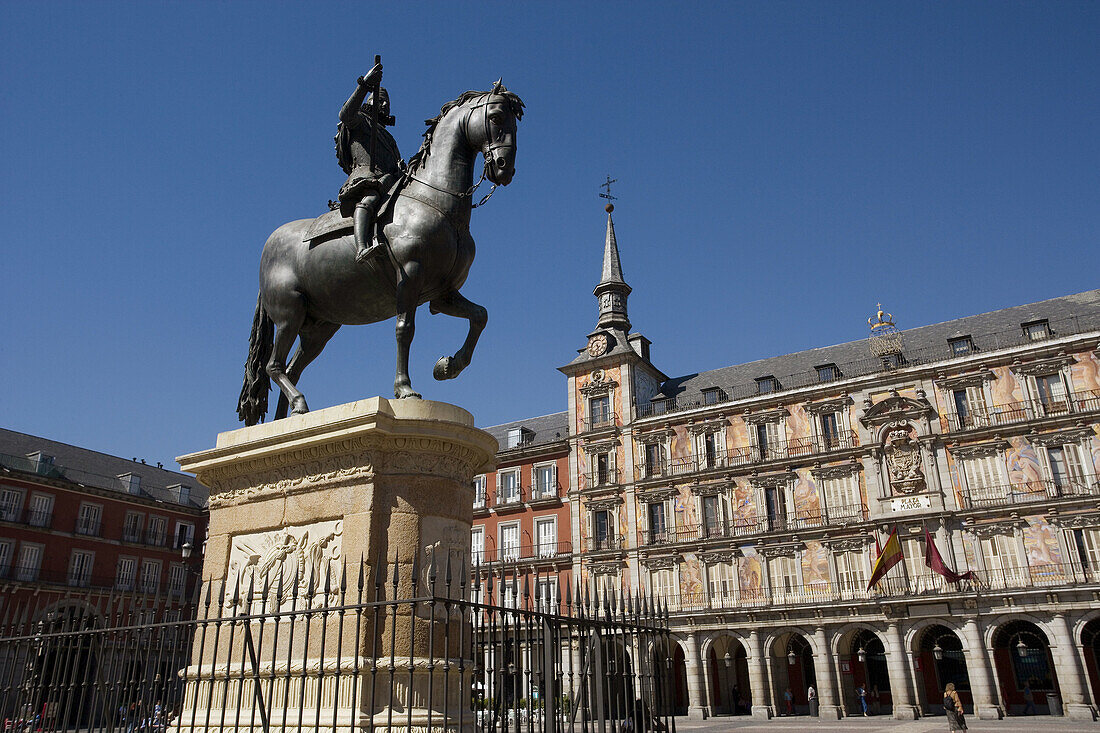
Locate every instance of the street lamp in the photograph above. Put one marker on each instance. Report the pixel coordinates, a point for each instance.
(791, 657)
(186, 550)
(861, 655)
(728, 661)
(1021, 648)
(937, 651)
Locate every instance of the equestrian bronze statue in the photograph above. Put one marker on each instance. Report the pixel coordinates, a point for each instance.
(310, 280)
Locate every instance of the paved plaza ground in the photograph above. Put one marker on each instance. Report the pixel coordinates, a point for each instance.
(1039, 724)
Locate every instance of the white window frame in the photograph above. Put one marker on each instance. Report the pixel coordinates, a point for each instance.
(143, 586)
(7, 555)
(25, 571)
(11, 503)
(1005, 565)
(136, 536)
(721, 574)
(665, 583)
(1081, 456)
(177, 579)
(538, 491)
(998, 485)
(89, 519)
(852, 568)
(842, 494)
(546, 591)
(699, 446)
(479, 491)
(510, 498)
(777, 448)
(190, 534)
(612, 527)
(32, 511)
(156, 539)
(477, 548)
(552, 549)
(504, 553)
(121, 583)
(722, 518)
(784, 593)
(593, 471)
(81, 562)
(1063, 380)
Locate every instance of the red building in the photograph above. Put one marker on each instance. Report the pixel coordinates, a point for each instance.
(78, 527)
(522, 524)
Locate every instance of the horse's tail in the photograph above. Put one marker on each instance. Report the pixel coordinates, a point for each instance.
(252, 405)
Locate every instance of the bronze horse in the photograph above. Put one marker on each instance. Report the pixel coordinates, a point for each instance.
(309, 289)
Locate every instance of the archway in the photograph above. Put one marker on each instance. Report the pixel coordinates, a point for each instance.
(1090, 639)
(940, 660)
(670, 667)
(862, 658)
(792, 664)
(728, 677)
(618, 693)
(1025, 668)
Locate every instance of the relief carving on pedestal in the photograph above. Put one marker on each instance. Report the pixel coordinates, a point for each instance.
(298, 557)
(903, 462)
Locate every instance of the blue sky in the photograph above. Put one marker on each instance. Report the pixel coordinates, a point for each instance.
(781, 168)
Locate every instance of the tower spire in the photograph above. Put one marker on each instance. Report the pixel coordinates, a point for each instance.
(612, 289)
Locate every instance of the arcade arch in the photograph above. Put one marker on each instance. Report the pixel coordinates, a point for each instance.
(862, 657)
(938, 651)
(728, 676)
(1024, 666)
(792, 668)
(672, 699)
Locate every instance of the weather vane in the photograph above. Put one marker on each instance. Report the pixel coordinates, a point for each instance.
(606, 185)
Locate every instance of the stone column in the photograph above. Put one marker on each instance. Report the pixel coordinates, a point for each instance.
(378, 487)
(758, 678)
(901, 690)
(1071, 671)
(981, 678)
(697, 680)
(828, 709)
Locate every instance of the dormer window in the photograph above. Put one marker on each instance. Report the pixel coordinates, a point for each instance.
(519, 437)
(827, 372)
(766, 384)
(893, 361)
(714, 395)
(1036, 330)
(961, 345)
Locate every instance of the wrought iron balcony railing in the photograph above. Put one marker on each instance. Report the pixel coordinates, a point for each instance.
(830, 516)
(608, 477)
(600, 420)
(1027, 492)
(1017, 412)
(29, 517)
(602, 544)
(797, 448)
(523, 553)
(89, 527)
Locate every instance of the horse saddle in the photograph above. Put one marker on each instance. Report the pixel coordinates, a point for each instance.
(331, 223)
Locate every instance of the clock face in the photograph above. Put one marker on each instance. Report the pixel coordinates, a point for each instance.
(597, 344)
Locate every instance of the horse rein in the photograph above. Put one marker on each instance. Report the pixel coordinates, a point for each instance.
(487, 153)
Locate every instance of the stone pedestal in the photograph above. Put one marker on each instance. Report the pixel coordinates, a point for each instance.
(297, 504)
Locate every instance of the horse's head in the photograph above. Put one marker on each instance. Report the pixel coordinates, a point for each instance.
(491, 128)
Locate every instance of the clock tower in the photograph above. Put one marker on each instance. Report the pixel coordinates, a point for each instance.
(612, 289)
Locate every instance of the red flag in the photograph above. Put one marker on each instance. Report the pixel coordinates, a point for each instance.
(887, 558)
(934, 560)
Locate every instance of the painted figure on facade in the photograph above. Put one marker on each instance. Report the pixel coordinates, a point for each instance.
(368, 153)
(319, 274)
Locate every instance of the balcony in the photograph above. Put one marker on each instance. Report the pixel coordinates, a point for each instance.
(29, 517)
(1065, 575)
(546, 552)
(1018, 412)
(88, 526)
(507, 499)
(545, 493)
(607, 477)
(600, 421)
(131, 534)
(797, 448)
(603, 544)
(71, 579)
(831, 516)
(156, 538)
(1024, 493)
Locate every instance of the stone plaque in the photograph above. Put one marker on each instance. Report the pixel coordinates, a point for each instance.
(300, 553)
(910, 503)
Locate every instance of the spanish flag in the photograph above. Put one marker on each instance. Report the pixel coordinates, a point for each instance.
(888, 557)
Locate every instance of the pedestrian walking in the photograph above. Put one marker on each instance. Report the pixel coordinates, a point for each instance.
(1029, 700)
(861, 695)
(788, 696)
(953, 708)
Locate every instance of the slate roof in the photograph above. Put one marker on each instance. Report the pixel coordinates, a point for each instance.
(100, 470)
(547, 428)
(997, 329)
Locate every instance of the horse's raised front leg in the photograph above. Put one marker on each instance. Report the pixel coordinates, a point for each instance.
(408, 296)
(454, 304)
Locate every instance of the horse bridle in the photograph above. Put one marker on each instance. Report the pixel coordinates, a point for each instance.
(487, 152)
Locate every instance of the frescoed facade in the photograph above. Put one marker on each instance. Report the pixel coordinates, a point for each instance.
(753, 500)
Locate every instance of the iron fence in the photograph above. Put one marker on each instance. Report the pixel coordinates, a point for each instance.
(335, 648)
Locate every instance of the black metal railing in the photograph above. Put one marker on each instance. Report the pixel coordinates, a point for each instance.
(796, 448)
(600, 420)
(383, 648)
(89, 527)
(601, 544)
(29, 517)
(1025, 492)
(911, 357)
(606, 477)
(1016, 412)
(518, 553)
